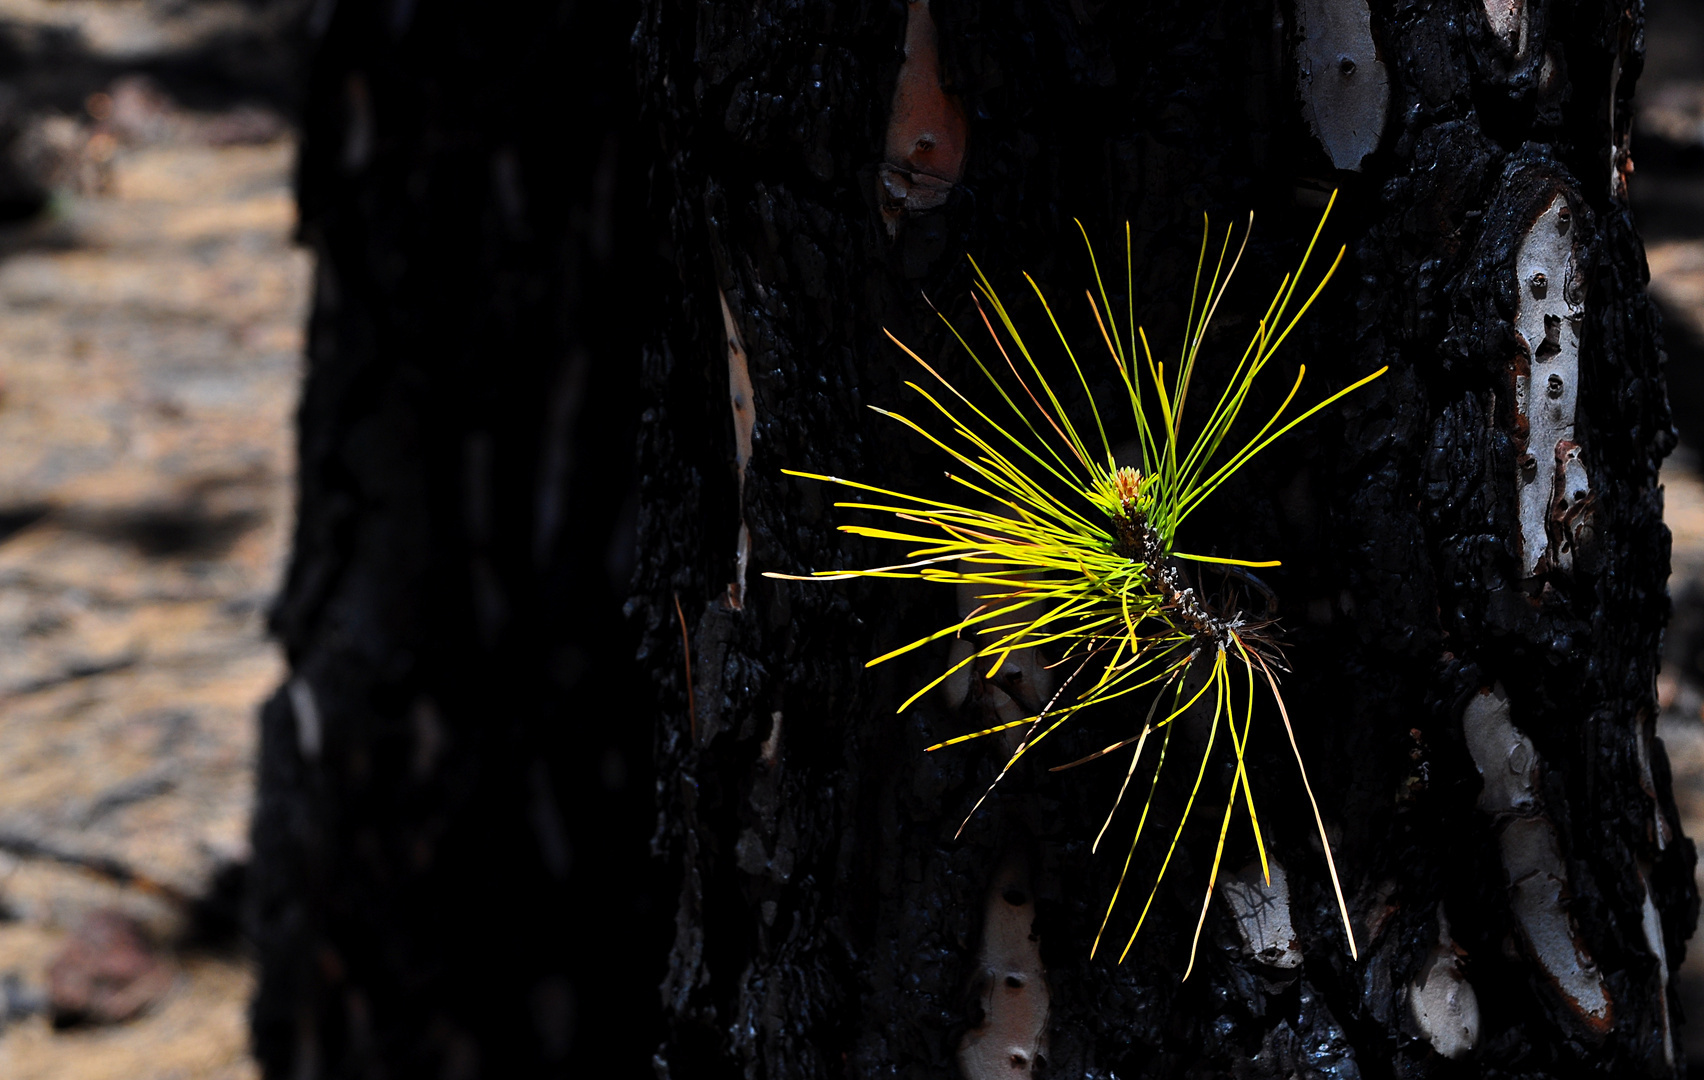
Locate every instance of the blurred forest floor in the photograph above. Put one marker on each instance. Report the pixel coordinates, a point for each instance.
(151, 323)
(1668, 198)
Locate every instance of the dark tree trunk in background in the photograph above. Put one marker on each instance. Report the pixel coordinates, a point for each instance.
(451, 864)
(829, 923)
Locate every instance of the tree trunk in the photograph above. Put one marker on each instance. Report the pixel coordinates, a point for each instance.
(455, 795)
(1473, 553)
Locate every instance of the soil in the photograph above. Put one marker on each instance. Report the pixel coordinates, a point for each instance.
(150, 340)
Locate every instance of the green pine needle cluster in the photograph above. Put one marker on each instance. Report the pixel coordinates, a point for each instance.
(1070, 550)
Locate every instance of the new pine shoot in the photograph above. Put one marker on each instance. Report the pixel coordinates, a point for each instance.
(1072, 552)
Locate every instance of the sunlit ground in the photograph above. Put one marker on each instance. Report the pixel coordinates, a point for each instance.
(150, 340)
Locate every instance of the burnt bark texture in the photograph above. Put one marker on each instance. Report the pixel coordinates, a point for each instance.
(830, 923)
(450, 870)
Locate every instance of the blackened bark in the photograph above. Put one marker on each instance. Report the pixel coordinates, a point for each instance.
(450, 874)
(829, 921)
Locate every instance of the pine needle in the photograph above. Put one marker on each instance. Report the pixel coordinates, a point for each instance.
(1070, 553)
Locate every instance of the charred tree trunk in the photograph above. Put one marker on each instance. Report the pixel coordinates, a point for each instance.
(451, 867)
(1474, 556)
